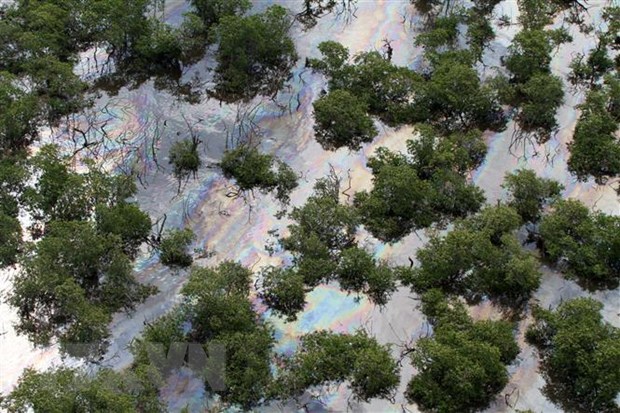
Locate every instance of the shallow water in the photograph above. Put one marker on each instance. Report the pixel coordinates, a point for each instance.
(140, 120)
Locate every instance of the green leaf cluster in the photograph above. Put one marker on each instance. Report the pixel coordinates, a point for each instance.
(255, 55)
(216, 309)
(580, 356)
(462, 367)
(62, 389)
(449, 95)
(423, 187)
(70, 284)
(322, 242)
(532, 88)
(184, 158)
(585, 245)
(481, 257)
(254, 170)
(595, 149)
(326, 358)
(529, 194)
(341, 119)
(78, 274)
(173, 248)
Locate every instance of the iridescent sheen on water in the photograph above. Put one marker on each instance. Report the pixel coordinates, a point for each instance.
(139, 121)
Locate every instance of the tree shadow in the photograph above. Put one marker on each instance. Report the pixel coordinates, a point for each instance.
(561, 391)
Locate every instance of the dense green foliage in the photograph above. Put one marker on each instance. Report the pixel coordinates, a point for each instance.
(218, 311)
(43, 39)
(129, 222)
(462, 366)
(71, 283)
(449, 96)
(529, 54)
(64, 390)
(322, 242)
(529, 194)
(385, 88)
(532, 88)
(254, 170)
(173, 248)
(423, 187)
(585, 245)
(326, 358)
(74, 263)
(580, 356)
(217, 308)
(595, 149)
(79, 272)
(536, 14)
(12, 176)
(283, 290)
(341, 119)
(61, 194)
(589, 70)
(480, 257)
(255, 55)
(212, 11)
(10, 240)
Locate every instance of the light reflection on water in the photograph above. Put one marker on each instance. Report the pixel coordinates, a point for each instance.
(225, 225)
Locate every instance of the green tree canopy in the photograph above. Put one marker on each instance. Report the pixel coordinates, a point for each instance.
(216, 311)
(454, 98)
(423, 187)
(10, 239)
(580, 356)
(63, 390)
(64, 195)
(341, 119)
(324, 219)
(212, 11)
(254, 170)
(173, 248)
(127, 221)
(529, 53)
(595, 149)
(387, 89)
(528, 194)
(480, 257)
(284, 291)
(532, 89)
(322, 242)
(326, 358)
(78, 274)
(480, 32)
(19, 115)
(539, 98)
(70, 284)
(255, 55)
(217, 300)
(462, 367)
(589, 70)
(185, 159)
(449, 95)
(442, 34)
(585, 245)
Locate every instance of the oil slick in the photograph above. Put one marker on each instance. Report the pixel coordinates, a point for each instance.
(148, 119)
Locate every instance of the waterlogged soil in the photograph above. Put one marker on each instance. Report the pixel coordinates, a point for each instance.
(142, 124)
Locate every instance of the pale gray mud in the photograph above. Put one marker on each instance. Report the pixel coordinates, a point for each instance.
(139, 121)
